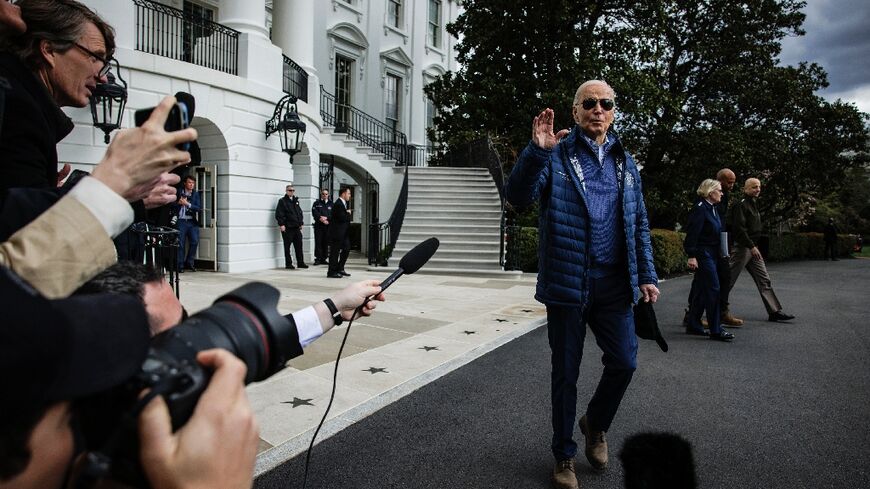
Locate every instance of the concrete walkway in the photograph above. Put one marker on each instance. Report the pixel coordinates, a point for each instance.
(429, 326)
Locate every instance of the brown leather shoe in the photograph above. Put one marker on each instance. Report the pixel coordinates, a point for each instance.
(596, 445)
(729, 320)
(563, 475)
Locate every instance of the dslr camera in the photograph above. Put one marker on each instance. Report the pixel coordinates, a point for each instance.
(245, 322)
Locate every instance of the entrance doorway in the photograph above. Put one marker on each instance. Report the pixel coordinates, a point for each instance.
(206, 185)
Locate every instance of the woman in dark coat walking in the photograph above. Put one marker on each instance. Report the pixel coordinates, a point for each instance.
(702, 245)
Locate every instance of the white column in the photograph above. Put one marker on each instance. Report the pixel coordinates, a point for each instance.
(293, 32)
(259, 59)
(246, 16)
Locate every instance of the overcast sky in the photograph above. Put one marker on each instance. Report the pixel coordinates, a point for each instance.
(838, 38)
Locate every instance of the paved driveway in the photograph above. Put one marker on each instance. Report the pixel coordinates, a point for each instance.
(783, 406)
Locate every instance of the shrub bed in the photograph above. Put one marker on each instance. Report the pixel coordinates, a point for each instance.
(670, 259)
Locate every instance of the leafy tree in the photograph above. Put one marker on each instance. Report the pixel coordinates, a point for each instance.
(698, 88)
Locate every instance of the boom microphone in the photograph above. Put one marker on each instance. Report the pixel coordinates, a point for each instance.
(413, 260)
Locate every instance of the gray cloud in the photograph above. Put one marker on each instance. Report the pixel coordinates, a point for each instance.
(838, 38)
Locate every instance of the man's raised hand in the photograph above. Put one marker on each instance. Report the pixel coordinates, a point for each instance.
(542, 130)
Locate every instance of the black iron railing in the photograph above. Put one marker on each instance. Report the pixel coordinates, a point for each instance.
(170, 32)
(383, 235)
(295, 80)
(420, 155)
(511, 237)
(379, 248)
(364, 128)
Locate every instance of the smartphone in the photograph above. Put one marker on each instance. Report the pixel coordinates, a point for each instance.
(176, 121)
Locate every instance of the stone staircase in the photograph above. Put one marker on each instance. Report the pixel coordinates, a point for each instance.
(460, 207)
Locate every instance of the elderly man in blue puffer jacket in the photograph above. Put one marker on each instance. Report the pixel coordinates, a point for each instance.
(595, 261)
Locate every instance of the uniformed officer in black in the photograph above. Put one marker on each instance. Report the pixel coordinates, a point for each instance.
(321, 211)
(288, 213)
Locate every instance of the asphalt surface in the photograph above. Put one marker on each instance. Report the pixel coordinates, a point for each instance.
(783, 406)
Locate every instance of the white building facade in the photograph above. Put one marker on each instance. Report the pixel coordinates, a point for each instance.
(358, 67)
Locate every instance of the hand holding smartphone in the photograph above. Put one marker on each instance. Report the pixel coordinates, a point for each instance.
(176, 121)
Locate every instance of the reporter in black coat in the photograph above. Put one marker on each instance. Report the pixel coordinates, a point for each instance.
(339, 241)
(702, 245)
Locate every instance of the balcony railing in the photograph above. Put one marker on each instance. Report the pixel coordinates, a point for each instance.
(363, 127)
(169, 32)
(295, 80)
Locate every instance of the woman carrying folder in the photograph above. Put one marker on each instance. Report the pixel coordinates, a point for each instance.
(703, 246)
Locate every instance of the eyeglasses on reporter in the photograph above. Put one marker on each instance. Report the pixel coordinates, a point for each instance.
(106, 66)
(607, 104)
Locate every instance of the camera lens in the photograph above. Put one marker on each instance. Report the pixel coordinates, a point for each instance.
(245, 322)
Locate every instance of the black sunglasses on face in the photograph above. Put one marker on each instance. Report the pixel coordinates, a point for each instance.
(606, 103)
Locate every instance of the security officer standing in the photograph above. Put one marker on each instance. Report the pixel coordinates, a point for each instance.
(321, 210)
(288, 213)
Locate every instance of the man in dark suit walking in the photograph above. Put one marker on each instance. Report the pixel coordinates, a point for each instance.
(339, 242)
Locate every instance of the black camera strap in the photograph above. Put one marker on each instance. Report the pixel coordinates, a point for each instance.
(356, 313)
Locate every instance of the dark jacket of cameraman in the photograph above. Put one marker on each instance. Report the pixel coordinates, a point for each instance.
(32, 125)
(289, 212)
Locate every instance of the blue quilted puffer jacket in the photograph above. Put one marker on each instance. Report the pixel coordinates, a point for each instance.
(563, 261)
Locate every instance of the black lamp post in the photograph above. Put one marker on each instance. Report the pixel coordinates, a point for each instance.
(285, 121)
(108, 101)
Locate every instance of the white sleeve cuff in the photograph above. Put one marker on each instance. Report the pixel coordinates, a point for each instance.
(307, 325)
(109, 208)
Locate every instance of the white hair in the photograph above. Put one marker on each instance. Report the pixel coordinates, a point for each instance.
(708, 186)
(589, 83)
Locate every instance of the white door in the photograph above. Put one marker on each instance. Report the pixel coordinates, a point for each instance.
(206, 184)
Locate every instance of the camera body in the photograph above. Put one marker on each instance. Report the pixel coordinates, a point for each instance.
(245, 322)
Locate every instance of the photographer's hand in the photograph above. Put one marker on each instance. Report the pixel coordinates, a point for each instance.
(218, 445)
(138, 156)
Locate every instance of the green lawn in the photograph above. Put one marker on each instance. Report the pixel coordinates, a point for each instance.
(864, 254)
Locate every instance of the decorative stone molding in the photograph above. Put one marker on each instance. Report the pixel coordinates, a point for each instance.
(396, 61)
(348, 40)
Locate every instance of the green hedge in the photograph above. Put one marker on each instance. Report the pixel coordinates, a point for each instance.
(670, 259)
(668, 254)
(805, 246)
(527, 251)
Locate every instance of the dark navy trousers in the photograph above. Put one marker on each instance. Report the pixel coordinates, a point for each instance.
(705, 293)
(723, 271)
(609, 316)
(188, 231)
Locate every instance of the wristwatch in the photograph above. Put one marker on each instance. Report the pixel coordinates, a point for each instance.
(336, 316)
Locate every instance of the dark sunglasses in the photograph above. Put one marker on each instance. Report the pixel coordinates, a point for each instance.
(606, 103)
